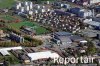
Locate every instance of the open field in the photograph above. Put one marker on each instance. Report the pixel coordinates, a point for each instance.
(10, 18)
(39, 30)
(6, 17)
(6, 3)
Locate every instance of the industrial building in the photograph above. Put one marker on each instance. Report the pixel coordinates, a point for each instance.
(62, 12)
(61, 5)
(28, 30)
(84, 2)
(15, 37)
(83, 13)
(93, 1)
(43, 55)
(21, 56)
(4, 51)
(93, 24)
(4, 39)
(79, 39)
(97, 9)
(62, 39)
(91, 33)
(97, 19)
(62, 33)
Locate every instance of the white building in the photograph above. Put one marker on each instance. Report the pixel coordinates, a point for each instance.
(43, 55)
(85, 13)
(94, 1)
(4, 51)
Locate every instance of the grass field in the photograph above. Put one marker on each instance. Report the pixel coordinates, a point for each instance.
(39, 30)
(6, 17)
(10, 18)
(6, 3)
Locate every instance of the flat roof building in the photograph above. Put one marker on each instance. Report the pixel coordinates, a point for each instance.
(76, 38)
(43, 55)
(4, 51)
(62, 33)
(62, 39)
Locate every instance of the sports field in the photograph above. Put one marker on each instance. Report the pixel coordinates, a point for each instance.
(39, 30)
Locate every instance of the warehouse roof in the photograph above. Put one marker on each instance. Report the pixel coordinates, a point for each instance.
(65, 39)
(63, 33)
(11, 48)
(4, 52)
(96, 19)
(90, 33)
(76, 38)
(42, 55)
(93, 23)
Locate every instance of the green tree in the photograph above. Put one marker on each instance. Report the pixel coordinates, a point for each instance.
(91, 48)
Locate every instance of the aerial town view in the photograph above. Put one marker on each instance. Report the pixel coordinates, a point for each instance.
(49, 32)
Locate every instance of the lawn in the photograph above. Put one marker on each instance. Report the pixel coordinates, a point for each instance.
(39, 29)
(6, 3)
(11, 18)
(6, 17)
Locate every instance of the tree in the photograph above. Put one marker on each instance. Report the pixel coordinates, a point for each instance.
(91, 48)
